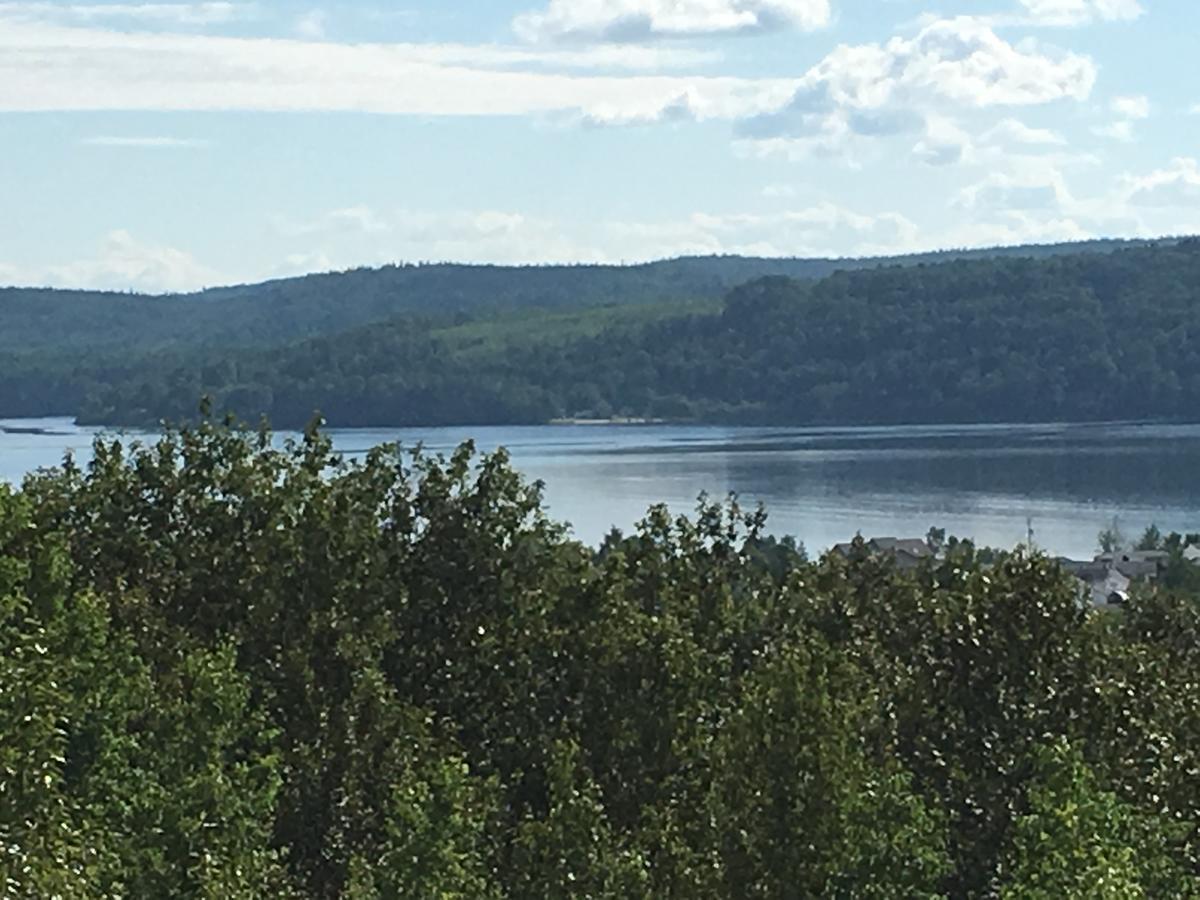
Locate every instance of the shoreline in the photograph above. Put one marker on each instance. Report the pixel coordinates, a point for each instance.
(614, 420)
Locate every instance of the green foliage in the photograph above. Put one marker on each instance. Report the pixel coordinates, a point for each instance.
(121, 777)
(812, 816)
(230, 668)
(1034, 335)
(1151, 539)
(429, 837)
(1111, 539)
(572, 850)
(1080, 842)
(291, 309)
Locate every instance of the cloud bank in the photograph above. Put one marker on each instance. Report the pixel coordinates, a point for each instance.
(643, 20)
(906, 86)
(47, 67)
(1080, 12)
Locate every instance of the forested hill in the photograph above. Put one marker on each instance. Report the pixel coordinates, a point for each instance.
(49, 321)
(1080, 337)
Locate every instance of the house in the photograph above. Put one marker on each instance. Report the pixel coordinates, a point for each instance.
(1100, 582)
(1192, 554)
(1107, 579)
(1113, 591)
(1137, 565)
(907, 552)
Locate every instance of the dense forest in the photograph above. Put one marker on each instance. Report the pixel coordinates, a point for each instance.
(1080, 337)
(295, 308)
(232, 670)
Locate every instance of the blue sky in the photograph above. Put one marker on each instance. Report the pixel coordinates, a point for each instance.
(169, 146)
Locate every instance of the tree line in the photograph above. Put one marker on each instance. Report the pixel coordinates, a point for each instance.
(290, 309)
(233, 669)
(1093, 331)
(1072, 337)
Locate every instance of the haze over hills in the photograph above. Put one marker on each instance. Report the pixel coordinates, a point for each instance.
(1098, 331)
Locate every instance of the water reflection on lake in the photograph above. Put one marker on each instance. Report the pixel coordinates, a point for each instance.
(821, 484)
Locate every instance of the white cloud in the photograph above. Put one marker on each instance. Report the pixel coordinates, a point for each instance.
(126, 263)
(696, 102)
(1044, 189)
(510, 237)
(640, 20)
(944, 143)
(360, 219)
(165, 14)
(295, 264)
(1121, 130)
(688, 106)
(961, 60)
(600, 56)
(827, 230)
(1012, 228)
(1014, 131)
(1030, 195)
(149, 143)
(1178, 185)
(903, 86)
(506, 237)
(780, 191)
(821, 230)
(311, 25)
(53, 68)
(361, 235)
(1081, 12)
(487, 235)
(1128, 110)
(1132, 107)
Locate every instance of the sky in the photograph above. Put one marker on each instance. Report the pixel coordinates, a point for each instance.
(166, 147)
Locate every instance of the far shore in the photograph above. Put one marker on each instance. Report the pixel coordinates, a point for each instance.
(614, 420)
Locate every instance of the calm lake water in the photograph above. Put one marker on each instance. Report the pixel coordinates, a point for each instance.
(821, 484)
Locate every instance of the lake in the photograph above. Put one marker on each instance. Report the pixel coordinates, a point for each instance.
(820, 484)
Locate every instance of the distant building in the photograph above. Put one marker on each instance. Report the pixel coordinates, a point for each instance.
(1160, 556)
(1113, 591)
(1138, 565)
(1107, 579)
(1100, 582)
(1192, 554)
(907, 552)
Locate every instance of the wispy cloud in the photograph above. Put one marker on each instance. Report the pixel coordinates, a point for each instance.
(55, 68)
(1132, 107)
(1128, 110)
(168, 14)
(1177, 185)
(148, 143)
(640, 20)
(1069, 13)
(311, 24)
(121, 262)
(1017, 132)
(825, 229)
(351, 219)
(1121, 130)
